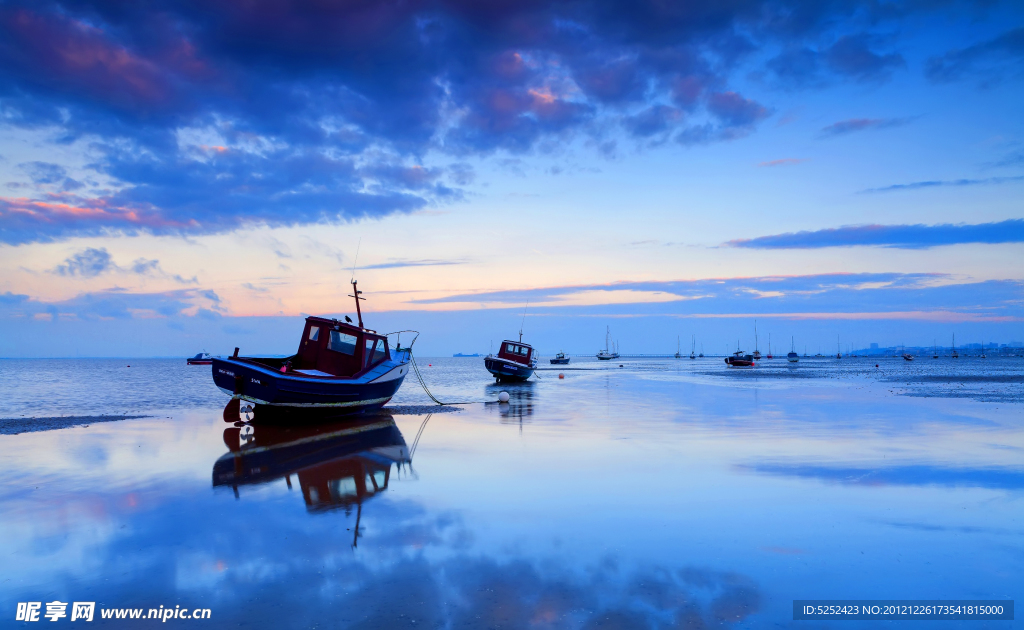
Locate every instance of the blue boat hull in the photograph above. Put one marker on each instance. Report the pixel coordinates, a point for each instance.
(265, 387)
(507, 370)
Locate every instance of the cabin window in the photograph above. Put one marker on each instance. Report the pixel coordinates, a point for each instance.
(342, 342)
(375, 352)
(314, 333)
(344, 488)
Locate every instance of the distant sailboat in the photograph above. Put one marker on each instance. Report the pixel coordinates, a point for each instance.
(983, 356)
(606, 354)
(769, 346)
(701, 355)
(693, 347)
(935, 350)
(679, 354)
(793, 357)
(839, 348)
(757, 353)
(955, 354)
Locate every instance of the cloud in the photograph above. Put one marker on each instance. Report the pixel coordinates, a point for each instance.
(849, 57)
(990, 60)
(413, 263)
(852, 56)
(868, 296)
(88, 263)
(900, 236)
(782, 162)
(207, 119)
(853, 125)
(116, 304)
(956, 183)
(911, 475)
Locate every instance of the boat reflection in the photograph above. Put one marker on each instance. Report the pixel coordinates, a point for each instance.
(338, 464)
(520, 401)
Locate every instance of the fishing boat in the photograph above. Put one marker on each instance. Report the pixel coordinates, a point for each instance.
(609, 352)
(739, 359)
(515, 361)
(203, 358)
(792, 357)
(339, 367)
(693, 347)
(560, 359)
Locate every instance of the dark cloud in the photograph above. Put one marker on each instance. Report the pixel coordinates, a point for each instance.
(88, 263)
(852, 56)
(956, 183)
(902, 236)
(989, 60)
(209, 116)
(853, 125)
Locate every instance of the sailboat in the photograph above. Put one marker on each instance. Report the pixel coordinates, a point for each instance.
(955, 354)
(769, 346)
(935, 350)
(983, 356)
(839, 348)
(606, 354)
(693, 347)
(701, 355)
(757, 353)
(679, 354)
(792, 357)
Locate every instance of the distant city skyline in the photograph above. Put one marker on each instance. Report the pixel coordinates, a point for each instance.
(176, 178)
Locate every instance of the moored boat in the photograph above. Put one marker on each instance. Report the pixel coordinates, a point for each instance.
(792, 357)
(560, 359)
(607, 354)
(339, 366)
(515, 361)
(203, 358)
(740, 360)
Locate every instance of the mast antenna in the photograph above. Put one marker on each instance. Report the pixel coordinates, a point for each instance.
(523, 323)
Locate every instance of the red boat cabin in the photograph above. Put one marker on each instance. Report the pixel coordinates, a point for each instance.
(515, 351)
(338, 349)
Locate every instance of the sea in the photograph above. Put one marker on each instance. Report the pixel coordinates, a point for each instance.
(636, 493)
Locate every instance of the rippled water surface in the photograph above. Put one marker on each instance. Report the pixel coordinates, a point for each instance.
(658, 494)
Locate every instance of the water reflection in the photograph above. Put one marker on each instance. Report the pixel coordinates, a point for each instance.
(520, 400)
(339, 465)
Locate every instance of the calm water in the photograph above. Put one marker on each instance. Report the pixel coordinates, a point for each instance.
(657, 495)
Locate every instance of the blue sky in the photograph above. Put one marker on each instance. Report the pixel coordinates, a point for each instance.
(177, 176)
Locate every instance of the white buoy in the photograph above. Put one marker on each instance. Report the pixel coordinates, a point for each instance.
(503, 397)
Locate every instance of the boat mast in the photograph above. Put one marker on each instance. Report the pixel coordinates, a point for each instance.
(355, 294)
(355, 290)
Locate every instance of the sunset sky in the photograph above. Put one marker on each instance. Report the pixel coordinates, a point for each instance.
(181, 176)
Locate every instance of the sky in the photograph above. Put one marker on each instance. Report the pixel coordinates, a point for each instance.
(177, 176)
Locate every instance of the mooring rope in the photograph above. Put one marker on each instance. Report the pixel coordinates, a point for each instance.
(419, 377)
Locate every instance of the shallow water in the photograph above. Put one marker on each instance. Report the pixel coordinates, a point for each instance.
(659, 494)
